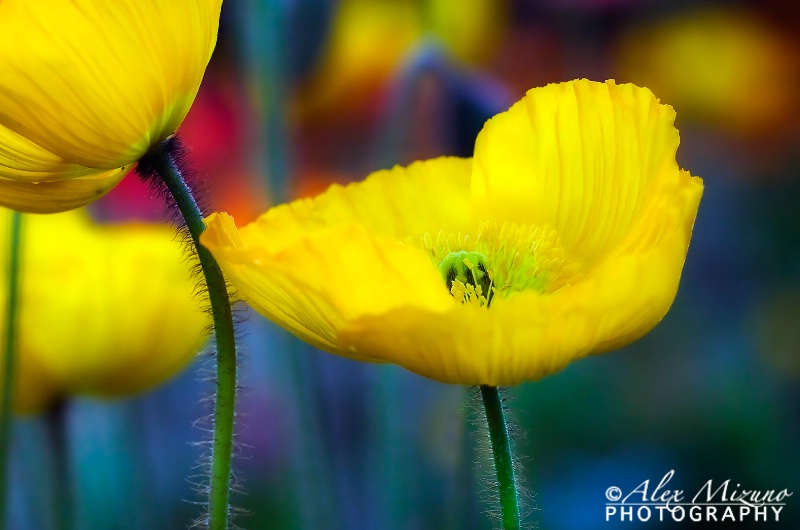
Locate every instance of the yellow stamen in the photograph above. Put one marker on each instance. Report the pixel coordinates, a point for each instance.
(468, 294)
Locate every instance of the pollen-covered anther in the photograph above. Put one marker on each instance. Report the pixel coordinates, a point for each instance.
(468, 294)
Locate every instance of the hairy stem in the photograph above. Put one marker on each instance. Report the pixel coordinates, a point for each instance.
(163, 163)
(503, 460)
(8, 360)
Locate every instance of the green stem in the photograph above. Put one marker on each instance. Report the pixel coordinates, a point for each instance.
(164, 165)
(503, 460)
(8, 360)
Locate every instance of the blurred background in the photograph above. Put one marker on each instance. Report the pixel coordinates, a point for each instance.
(304, 93)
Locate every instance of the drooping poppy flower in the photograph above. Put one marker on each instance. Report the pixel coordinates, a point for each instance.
(105, 310)
(565, 235)
(88, 86)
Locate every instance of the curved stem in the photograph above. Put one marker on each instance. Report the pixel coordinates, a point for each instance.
(163, 163)
(503, 460)
(8, 360)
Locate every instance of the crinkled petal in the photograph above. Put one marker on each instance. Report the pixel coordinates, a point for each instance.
(398, 203)
(316, 284)
(60, 195)
(96, 83)
(582, 157)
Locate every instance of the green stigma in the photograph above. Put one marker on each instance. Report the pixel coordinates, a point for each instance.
(498, 259)
(467, 268)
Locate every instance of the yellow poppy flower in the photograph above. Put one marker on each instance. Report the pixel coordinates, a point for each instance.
(105, 310)
(88, 86)
(565, 235)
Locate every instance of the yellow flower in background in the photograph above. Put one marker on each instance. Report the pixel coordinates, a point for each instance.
(105, 310)
(725, 65)
(370, 39)
(565, 235)
(88, 86)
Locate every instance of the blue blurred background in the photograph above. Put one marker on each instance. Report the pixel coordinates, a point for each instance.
(302, 93)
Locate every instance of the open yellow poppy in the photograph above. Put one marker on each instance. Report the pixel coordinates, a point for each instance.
(105, 310)
(88, 86)
(565, 235)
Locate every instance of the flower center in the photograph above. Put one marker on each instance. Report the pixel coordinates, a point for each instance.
(499, 260)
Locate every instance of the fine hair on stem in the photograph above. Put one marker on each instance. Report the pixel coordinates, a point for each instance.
(483, 461)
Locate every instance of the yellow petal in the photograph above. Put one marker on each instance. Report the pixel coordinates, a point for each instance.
(315, 284)
(582, 157)
(105, 310)
(96, 83)
(24, 161)
(60, 195)
(396, 204)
